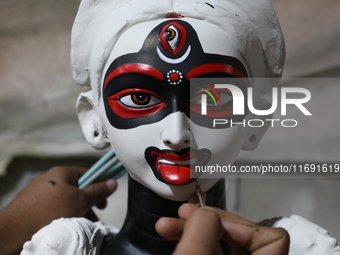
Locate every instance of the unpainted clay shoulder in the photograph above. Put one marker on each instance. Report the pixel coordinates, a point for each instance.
(68, 236)
(306, 238)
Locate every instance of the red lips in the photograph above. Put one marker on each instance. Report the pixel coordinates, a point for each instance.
(177, 169)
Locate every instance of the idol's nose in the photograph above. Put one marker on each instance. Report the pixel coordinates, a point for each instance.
(176, 133)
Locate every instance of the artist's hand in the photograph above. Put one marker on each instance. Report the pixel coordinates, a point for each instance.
(200, 230)
(52, 195)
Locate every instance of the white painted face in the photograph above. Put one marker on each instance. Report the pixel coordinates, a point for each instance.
(145, 103)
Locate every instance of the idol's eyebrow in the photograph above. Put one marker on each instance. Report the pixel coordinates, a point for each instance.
(134, 68)
(215, 68)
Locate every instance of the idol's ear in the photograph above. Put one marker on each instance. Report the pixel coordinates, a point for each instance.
(93, 129)
(255, 134)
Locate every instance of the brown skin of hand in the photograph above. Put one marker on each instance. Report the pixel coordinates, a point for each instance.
(50, 196)
(199, 231)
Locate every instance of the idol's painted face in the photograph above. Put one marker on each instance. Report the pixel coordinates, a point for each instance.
(151, 114)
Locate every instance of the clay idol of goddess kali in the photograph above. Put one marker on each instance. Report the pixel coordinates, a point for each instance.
(136, 59)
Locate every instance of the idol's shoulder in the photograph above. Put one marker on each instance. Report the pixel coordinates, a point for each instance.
(68, 236)
(306, 238)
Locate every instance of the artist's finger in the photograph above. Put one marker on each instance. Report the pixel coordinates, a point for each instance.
(186, 210)
(240, 232)
(170, 228)
(245, 234)
(258, 240)
(69, 174)
(255, 239)
(102, 205)
(97, 192)
(90, 215)
(76, 172)
(195, 239)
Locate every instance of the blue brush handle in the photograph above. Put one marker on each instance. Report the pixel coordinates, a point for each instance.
(106, 167)
(96, 166)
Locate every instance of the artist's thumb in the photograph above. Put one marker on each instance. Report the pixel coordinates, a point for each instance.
(99, 191)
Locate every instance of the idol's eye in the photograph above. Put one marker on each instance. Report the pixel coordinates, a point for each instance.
(170, 34)
(135, 103)
(139, 100)
(173, 37)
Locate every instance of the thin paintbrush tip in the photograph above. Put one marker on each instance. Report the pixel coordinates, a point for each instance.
(200, 194)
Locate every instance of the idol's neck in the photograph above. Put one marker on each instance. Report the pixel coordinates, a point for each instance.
(138, 234)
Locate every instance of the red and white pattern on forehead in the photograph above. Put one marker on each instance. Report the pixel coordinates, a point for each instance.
(197, 71)
(173, 37)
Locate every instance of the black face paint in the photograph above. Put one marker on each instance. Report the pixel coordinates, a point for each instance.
(144, 87)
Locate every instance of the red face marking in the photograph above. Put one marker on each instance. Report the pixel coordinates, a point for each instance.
(134, 68)
(215, 68)
(174, 77)
(173, 15)
(215, 112)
